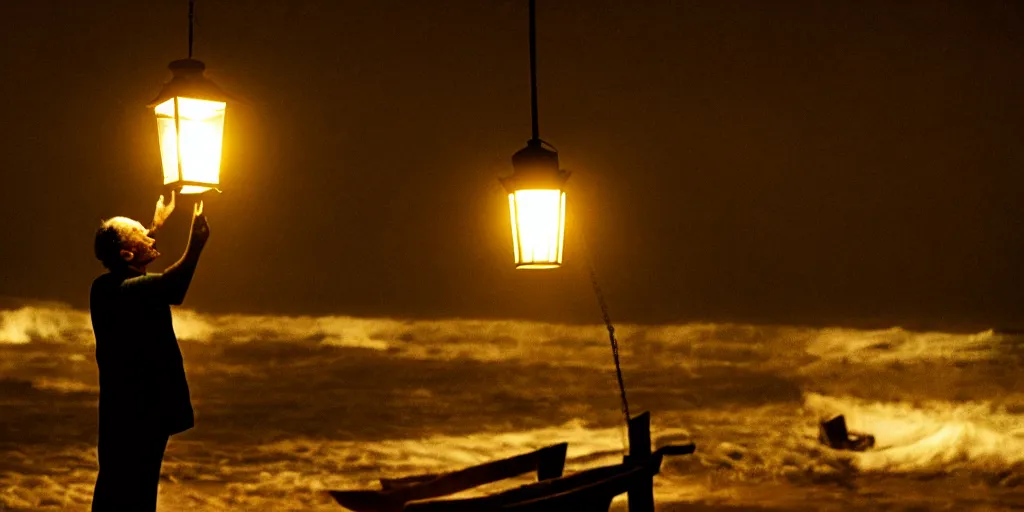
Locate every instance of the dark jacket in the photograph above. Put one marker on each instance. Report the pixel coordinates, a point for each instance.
(142, 378)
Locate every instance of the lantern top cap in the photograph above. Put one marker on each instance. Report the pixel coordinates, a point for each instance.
(188, 79)
(535, 166)
(535, 155)
(186, 65)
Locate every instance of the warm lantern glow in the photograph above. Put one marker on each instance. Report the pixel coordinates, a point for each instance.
(538, 227)
(191, 137)
(536, 205)
(190, 123)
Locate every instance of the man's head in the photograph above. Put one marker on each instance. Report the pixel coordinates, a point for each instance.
(122, 242)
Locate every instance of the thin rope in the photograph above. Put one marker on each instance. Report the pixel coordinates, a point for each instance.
(191, 18)
(608, 325)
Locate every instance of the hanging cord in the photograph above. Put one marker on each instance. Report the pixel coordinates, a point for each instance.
(533, 69)
(191, 18)
(611, 329)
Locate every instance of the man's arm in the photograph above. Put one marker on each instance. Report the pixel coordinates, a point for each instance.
(172, 285)
(178, 276)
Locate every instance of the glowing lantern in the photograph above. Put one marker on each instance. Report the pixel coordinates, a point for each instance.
(536, 205)
(190, 122)
(536, 201)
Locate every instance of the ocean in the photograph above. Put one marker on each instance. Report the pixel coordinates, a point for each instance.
(288, 407)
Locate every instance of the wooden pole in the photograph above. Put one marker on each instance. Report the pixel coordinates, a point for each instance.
(641, 496)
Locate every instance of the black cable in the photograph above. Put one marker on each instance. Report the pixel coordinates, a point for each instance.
(191, 16)
(533, 68)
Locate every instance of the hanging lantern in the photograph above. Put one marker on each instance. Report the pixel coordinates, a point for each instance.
(536, 201)
(536, 204)
(190, 122)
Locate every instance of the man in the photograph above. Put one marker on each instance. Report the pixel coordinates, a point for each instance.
(144, 396)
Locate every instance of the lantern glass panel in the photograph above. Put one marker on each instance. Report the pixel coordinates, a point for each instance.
(200, 124)
(515, 227)
(538, 227)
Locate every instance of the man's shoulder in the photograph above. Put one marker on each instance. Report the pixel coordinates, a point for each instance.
(113, 278)
(125, 286)
(107, 284)
(101, 287)
(101, 280)
(105, 280)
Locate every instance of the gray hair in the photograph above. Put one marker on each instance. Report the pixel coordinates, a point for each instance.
(110, 239)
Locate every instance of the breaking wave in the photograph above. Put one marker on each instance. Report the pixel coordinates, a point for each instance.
(55, 323)
(495, 340)
(932, 437)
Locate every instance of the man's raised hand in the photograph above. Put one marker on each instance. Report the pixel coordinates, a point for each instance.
(200, 227)
(162, 212)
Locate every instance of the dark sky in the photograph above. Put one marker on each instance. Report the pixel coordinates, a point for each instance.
(853, 163)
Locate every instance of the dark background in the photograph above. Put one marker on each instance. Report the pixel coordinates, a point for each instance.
(851, 163)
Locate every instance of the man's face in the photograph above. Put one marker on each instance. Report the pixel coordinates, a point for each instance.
(138, 248)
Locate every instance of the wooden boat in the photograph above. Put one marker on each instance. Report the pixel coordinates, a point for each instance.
(583, 491)
(548, 462)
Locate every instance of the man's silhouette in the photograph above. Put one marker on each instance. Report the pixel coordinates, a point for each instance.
(144, 396)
